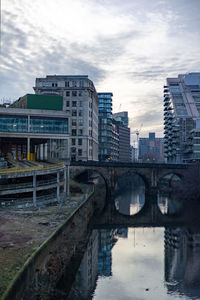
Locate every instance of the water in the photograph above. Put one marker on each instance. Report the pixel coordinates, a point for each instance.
(140, 263)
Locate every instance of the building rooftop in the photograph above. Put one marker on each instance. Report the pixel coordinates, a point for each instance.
(67, 76)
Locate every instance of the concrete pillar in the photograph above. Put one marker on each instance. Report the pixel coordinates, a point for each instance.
(58, 186)
(68, 187)
(28, 149)
(65, 180)
(43, 154)
(34, 191)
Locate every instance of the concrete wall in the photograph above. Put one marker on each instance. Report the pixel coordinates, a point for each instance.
(50, 271)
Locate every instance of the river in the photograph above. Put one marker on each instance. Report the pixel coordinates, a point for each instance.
(140, 263)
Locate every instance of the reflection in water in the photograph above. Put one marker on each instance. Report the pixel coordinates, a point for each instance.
(182, 262)
(140, 263)
(88, 271)
(131, 201)
(168, 205)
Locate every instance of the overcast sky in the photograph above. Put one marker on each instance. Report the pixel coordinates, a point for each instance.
(126, 47)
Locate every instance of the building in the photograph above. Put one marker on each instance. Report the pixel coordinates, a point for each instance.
(151, 148)
(105, 126)
(122, 117)
(182, 118)
(80, 102)
(133, 154)
(121, 122)
(33, 142)
(33, 134)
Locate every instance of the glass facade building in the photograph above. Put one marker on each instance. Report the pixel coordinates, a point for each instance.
(151, 149)
(36, 125)
(182, 118)
(105, 126)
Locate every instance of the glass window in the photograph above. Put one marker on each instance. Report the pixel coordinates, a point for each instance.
(74, 103)
(80, 121)
(79, 152)
(74, 93)
(80, 93)
(67, 93)
(67, 103)
(80, 132)
(73, 150)
(79, 142)
(48, 125)
(73, 132)
(73, 122)
(66, 83)
(13, 124)
(80, 103)
(74, 83)
(175, 90)
(74, 113)
(73, 142)
(80, 113)
(81, 83)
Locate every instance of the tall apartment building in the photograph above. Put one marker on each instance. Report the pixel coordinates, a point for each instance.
(182, 118)
(108, 133)
(121, 122)
(105, 126)
(151, 148)
(80, 102)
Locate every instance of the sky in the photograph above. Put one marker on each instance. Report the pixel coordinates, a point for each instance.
(126, 47)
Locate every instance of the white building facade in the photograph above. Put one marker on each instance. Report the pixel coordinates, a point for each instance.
(80, 102)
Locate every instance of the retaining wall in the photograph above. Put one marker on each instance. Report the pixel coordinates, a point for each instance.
(50, 271)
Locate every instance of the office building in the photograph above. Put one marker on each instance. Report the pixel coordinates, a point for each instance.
(182, 118)
(151, 148)
(80, 103)
(121, 122)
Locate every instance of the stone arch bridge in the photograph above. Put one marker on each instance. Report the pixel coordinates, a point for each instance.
(151, 174)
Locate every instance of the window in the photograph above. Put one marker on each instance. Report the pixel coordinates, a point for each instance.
(13, 124)
(80, 93)
(79, 142)
(79, 152)
(67, 93)
(81, 83)
(73, 122)
(80, 103)
(80, 113)
(74, 83)
(48, 125)
(73, 150)
(74, 93)
(74, 113)
(73, 103)
(66, 83)
(73, 142)
(73, 132)
(80, 132)
(67, 103)
(80, 122)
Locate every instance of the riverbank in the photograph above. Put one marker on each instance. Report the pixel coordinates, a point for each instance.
(23, 231)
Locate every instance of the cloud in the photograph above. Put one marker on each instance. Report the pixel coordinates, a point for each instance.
(127, 48)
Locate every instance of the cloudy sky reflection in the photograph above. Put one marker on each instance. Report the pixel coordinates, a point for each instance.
(137, 265)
